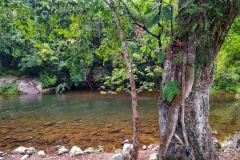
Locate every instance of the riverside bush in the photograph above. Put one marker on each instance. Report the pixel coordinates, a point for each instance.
(9, 88)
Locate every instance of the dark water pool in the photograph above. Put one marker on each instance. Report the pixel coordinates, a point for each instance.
(87, 118)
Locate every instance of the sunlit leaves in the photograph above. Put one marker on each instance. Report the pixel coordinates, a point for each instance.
(170, 90)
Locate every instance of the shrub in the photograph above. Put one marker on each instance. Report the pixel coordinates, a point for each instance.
(47, 81)
(9, 88)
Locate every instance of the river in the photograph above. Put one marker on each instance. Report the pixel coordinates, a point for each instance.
(90, 119)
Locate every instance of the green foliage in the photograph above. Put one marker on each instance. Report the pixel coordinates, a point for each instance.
(170, 90)
(100, 74)
(227, 70)
(61, 87)
(9, 88)
(47, 81)
(167, 12)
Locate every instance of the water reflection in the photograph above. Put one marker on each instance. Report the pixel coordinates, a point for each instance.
(90, 119)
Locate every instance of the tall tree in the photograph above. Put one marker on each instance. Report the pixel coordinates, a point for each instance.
(134, 154)
(188, 75)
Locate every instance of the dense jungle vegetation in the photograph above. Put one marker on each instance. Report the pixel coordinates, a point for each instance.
(75, 43)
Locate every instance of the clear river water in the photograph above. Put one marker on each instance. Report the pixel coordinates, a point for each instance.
(89, 119)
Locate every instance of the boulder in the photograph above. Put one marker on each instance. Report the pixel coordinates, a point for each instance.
(7, 79)
(76, 151)
(62, 150)
(28, 86)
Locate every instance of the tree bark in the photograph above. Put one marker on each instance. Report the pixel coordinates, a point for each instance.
(134, 154)
(184, 129)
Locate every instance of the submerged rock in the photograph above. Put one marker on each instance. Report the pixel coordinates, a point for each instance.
(76, 151)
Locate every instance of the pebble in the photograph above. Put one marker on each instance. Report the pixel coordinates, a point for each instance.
(89, 150)
(126, 141)
(144, 147)
(117, 156)
(24, 157)
(75, 151)
(41, 154)
(62, 150)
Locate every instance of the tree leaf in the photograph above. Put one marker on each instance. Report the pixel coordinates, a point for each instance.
(161, 57)
(170, 90)
(167, 12)
(156, 19)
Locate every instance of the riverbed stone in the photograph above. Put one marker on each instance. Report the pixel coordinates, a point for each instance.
(118, 156)
(153, 147)
(41, 154)
(76, 151)
(89, 150)
(144, 147)
(153, 156)
(24, 157)
(2, 153)
(62, 150)
(24, 150)
(125, 141)
(127, 149)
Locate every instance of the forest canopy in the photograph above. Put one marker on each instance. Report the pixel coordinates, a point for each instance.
(75, 43)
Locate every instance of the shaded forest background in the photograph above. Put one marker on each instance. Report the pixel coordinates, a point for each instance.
(75, 43)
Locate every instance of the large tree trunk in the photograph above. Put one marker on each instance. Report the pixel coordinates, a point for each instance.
(184, 129)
